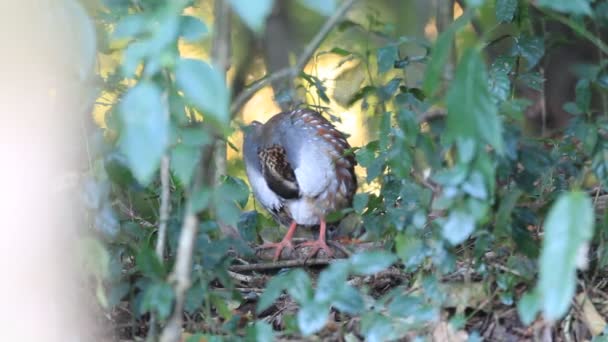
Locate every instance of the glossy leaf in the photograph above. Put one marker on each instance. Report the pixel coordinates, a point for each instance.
(253, 13)
(328, 284)
(528, 307)
(458, 226)
(260, 331)
(567, 6)
(204, 87)
(505, 10)
(472, 112)
(145, 132)
(159, 297)
(440, 54)
(183, 162)
(192, 28)
(568, 230)
(386, 57)
(273, 290)
(531, 48)
(367, 263)
(149, 265)
(299, 286)
(312, 317)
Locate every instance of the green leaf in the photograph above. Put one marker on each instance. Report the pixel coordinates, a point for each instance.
(298, 285)
(458, 226)
(145, 133)
(439, 58)
(247, 225)
(386, 57)
(583, 95)
(195, 298)
(376, 327)
(253, 13)
(192, 28)
(367, 263)
(323, 7)
(568, 230)
(567, 6)
(475, 186)
(205, 88)
(183, 162)
(328, 284)
(159, 297)
(531, 48)
(505, 10)
(148, 263)
(312, 317)
(348, 300)
(273, 290)
(260, 331)
(471, 110)
(410, 249)
(130, 26)
(360, 202)
(474, 3)
(528, 307)
(440, 54)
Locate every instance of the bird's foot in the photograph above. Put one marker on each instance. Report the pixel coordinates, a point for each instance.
(279, 246)
(316, 246)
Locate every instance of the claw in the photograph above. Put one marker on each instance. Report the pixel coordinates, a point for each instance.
(316, 246)
(279, 246)
(286, 242)
(319, 243)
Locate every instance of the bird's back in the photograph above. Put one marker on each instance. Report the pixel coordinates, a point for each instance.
(304, 162)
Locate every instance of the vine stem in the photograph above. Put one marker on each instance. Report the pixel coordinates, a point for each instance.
(293, 71)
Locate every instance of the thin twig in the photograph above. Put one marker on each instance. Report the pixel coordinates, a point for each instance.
(309, 50)
(205, 175)
(165, 196)
(165, 202)
(183, 261)
(280, 264)
(241, 277)
(220, 55)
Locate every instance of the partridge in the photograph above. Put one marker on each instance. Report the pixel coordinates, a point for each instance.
(300, 170)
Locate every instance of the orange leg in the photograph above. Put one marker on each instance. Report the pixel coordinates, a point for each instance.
(286, 242)
(319, 243)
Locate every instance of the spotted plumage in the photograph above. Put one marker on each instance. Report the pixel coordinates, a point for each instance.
(299, 168)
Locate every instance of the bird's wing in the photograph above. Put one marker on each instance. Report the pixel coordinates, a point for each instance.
(278, 173)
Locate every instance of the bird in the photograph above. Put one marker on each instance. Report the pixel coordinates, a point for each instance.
(300, 168)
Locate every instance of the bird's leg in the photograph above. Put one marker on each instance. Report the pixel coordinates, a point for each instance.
(319, 243)
(286, 242)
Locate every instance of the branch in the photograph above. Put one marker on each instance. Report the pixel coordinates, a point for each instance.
(308, 52)
(206, 175)
(162, 228)
(280, 264)
(165, 201)
(220, 55)
(183, 261)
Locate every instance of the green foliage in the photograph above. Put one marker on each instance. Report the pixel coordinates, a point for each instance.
(473, 113)
(505, 10)
(204, 87)
(324, 7)
(253, 13)
(568, 230)
(568, 6)
(467, 193)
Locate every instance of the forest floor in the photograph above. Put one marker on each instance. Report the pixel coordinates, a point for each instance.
(488, 315)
